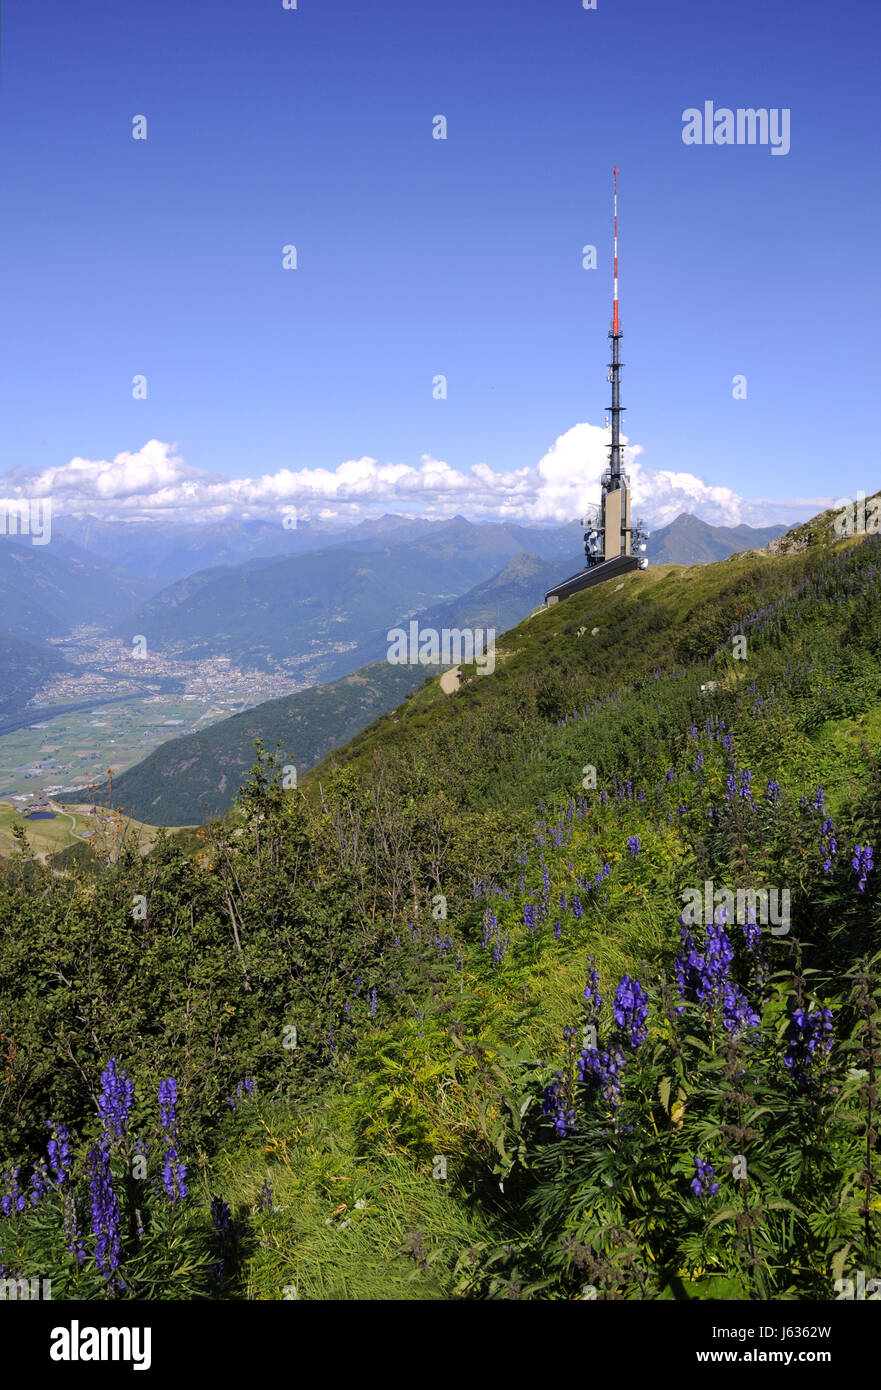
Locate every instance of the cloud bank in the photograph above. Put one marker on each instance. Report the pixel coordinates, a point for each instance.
(155, 482)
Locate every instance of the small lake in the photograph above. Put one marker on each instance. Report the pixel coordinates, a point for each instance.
(40, 815)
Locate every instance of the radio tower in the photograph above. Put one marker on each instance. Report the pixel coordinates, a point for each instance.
(611, 545)
(615, 366)
(612, 536)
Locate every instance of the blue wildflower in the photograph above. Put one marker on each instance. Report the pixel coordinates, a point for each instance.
(605, 1069)
(246, 1087)
(592, 996)
(862, 864)
(115, 1101)
(105, 1216)
(704, 1179)
(173, 1171)
(809, 1044)
(557, 1104)
(703, 977)
(39, 1182)
(173, 1175)
(168, 1103)
(631, 1010)
(58, 1150)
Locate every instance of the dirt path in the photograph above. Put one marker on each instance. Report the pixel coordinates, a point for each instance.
(449, 681)
(73, 830)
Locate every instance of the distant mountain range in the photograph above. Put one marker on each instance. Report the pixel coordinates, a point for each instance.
(324, 614)
(690, 541)
(47, 590)
(167, 552)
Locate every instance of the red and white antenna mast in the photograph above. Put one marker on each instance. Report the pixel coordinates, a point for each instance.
(616, 407)
(613, 544)
(615, 328)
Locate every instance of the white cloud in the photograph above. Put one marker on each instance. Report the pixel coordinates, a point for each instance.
(156, 482)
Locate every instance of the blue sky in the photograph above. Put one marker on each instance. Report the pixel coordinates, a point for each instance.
(419, 257)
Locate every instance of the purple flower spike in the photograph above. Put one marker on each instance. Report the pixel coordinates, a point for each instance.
(631, 1010)
(862, 864)
(115, 1101)
(104, 1210)
(703, 1184)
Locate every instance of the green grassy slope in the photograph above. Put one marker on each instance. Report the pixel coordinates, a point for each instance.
(437, 1082)
(596, 642)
